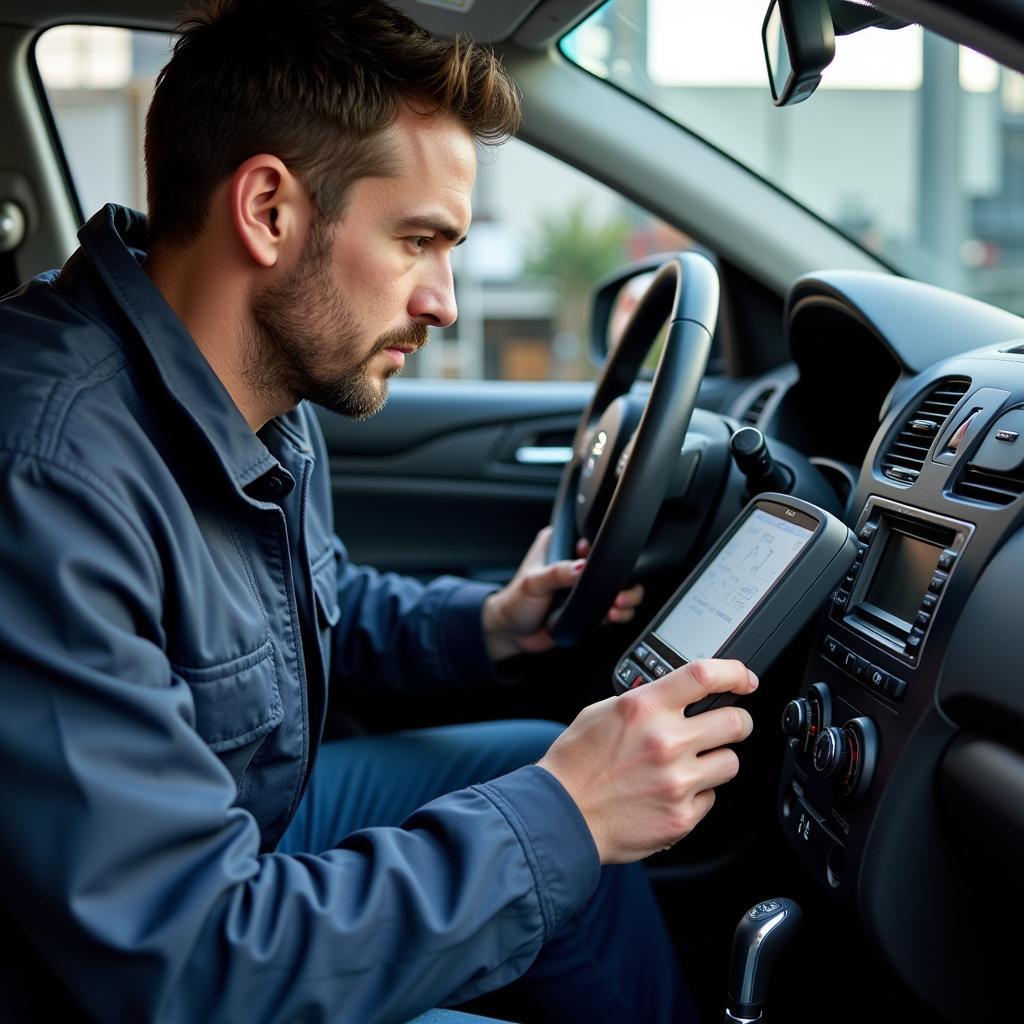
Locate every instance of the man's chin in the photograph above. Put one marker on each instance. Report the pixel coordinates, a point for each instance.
(357, 400)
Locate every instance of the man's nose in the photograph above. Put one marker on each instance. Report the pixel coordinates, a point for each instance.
(433, 301)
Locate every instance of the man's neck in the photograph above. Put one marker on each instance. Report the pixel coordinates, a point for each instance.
(214, 308)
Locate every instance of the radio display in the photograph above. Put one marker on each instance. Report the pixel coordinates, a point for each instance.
(902, 575)
(729, 589)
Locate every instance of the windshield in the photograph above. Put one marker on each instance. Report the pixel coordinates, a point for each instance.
(912, 146)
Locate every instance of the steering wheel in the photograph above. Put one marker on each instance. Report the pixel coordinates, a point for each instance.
(614, 483)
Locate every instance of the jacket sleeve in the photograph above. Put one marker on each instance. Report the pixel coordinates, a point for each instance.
(129, 867)
(396, 633)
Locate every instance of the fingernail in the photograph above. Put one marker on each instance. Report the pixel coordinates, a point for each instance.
(753, 680)
(577, 566)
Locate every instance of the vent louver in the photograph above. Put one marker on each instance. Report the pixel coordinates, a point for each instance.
(992, 488)
(753, 414)
(905, 457)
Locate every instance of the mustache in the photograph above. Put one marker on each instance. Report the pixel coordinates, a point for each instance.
(415, 335)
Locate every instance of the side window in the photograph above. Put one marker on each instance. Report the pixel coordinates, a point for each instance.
(542, 231)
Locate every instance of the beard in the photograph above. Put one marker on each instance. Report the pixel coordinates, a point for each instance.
(303, 341)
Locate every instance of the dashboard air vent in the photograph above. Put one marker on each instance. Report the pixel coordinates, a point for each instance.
(992, 488)
(753, 414)
(995, 473)
(905, 457)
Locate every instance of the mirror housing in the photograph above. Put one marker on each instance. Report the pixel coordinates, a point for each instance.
(799, 43)
(614, 298)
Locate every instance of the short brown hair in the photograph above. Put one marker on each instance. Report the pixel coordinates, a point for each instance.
(310, 81)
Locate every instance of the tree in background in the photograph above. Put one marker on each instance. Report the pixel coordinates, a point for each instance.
(572, 251)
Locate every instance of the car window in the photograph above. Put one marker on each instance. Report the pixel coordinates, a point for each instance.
(912, 146)
(542, 231)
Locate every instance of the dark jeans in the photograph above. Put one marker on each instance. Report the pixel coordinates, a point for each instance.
(613, 962)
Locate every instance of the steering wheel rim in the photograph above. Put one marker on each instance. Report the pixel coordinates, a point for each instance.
(684, 292)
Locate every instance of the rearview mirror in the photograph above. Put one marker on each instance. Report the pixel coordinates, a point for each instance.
(799, 43)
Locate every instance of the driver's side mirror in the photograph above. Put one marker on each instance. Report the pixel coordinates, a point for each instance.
(614, 299)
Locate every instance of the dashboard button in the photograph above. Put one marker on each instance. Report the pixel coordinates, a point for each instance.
(833, 648)
(914, 642)
(867, 531)
(660, 670)
(938, 581)
(947, 558)
(922, 619)
(895, 688)
(641, 653)
(877, 678)
(652, 662)
(841, 599)
(850, 662)
(928, 602)
(638, 681)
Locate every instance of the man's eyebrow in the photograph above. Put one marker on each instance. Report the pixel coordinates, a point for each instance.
(442, 227)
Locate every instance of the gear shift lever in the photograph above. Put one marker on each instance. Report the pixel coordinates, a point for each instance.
(763, 933)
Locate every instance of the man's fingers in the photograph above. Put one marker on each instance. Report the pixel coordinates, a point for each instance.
(719, 766)
(557, 576)
(692, 682)
(720, 726)
(629, 598)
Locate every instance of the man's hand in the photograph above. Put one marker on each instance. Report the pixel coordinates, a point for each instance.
(642, 774)
(514, 616)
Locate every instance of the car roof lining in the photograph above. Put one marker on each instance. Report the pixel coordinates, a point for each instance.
(534, 23)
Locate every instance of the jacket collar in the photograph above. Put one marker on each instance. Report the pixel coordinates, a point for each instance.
(114, 240)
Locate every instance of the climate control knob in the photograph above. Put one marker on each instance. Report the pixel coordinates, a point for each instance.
(796, 717)
(831, 755)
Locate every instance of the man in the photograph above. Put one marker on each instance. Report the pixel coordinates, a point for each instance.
(178, 618)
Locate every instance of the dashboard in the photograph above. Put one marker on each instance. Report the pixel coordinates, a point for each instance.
(902, 790)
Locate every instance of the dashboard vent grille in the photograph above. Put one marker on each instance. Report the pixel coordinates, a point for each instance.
(992, 488)
(753, 414)
(905, 457)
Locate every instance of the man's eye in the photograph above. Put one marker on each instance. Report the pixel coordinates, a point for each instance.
(418, 242)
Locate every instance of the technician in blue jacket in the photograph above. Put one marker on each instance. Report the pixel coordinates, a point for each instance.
(177, 617)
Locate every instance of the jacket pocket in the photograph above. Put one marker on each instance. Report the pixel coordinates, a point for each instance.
(236, 701)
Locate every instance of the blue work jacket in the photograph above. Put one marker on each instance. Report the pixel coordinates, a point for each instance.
(176, 617)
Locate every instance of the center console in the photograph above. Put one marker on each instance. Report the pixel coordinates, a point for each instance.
(846, 722)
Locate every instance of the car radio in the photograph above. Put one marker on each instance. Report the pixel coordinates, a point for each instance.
(751, 594)
(904, 562)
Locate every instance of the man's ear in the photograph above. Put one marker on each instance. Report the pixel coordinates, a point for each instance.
(270, 209)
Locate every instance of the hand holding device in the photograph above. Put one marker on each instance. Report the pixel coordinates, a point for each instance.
(641, 772)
